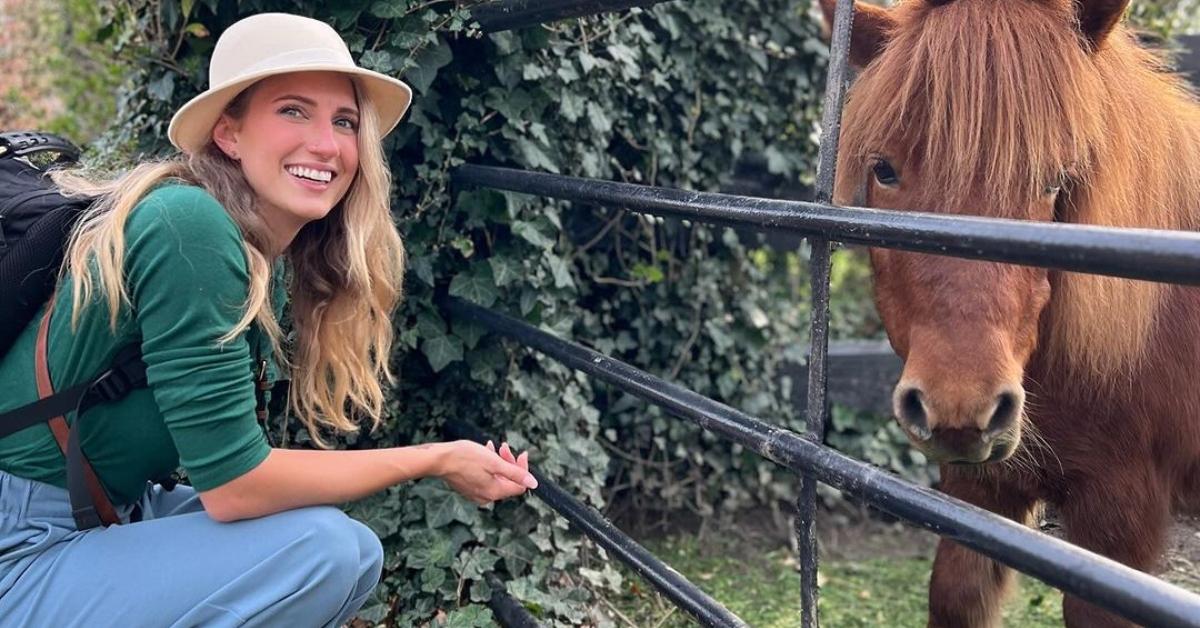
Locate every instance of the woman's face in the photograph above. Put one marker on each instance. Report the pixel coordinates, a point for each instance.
(297, 142)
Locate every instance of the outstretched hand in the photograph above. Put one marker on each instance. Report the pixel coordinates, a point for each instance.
(483, 475)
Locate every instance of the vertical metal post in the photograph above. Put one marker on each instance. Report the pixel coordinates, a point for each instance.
(819, 263)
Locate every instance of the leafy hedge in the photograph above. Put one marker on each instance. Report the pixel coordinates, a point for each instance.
(676, 95)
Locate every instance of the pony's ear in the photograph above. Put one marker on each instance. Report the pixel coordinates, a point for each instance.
(872, 28)
(1097, 18)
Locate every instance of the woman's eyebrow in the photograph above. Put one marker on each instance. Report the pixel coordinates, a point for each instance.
(312, 103)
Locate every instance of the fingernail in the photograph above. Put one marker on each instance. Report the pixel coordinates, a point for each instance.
(530, 482)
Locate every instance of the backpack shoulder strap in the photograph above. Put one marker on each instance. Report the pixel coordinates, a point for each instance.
(90, 505)
(126, 373)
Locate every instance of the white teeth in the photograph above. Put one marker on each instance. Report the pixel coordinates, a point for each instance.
(324, 176)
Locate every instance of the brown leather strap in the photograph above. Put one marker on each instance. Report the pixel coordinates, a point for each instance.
(58, 425)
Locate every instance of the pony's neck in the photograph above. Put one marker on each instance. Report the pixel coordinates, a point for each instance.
(1142, 176)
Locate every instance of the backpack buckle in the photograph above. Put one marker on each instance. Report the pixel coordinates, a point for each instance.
(117, 381)
(111, 385)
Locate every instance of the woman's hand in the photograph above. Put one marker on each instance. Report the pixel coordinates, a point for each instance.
(483, 475)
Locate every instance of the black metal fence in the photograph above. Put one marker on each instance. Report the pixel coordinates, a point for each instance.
(1139, 254)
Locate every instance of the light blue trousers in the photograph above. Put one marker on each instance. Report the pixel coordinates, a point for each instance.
(177, 566)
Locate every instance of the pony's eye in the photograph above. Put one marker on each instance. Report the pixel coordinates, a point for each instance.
(1055, 185)
(884, 173)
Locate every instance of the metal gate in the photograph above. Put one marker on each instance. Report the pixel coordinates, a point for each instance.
(1137, 254)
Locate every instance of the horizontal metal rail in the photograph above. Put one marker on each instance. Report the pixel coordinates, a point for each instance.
(508, 611)
(672, 584)
(1155, 255)
(503, 15)
(1104, 582)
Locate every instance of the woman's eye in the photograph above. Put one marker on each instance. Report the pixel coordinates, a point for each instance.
(291, 111)
(884, 173)
(346, 123)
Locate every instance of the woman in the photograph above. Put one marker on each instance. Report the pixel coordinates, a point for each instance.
(281, 163)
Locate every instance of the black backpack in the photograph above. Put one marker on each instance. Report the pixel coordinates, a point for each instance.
(35, 222)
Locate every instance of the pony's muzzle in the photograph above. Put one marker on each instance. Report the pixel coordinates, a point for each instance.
(960, 430)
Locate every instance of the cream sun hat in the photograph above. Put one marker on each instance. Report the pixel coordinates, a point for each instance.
(277, 43)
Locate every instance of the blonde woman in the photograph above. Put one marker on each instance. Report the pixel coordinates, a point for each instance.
(281, 165)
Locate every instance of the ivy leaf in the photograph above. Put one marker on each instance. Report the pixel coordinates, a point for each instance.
(469, 332)
(476, 284)
(532, 234)
(341, 17)
(379, 512)
(450, 508)
(562, 274)
(506, 42)
(441, 351)
(486, 363)
(571, 105)
(377, 60)
(464, 245)
(483, 204)
(430, 324)
(598, 118)
(567, 73)
(480, 591)
(426, 65)
(429, 548)
(389, 9)
(777, 162)
(473, 616)
(535, 155)
(504, 270)
(376, 608)
(163, 87)
(423, 267)
(476, 562)
(432, 578)
(586, 61)
(197, 30)
(528, 300)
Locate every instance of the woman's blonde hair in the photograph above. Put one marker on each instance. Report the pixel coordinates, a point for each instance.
(342, 300)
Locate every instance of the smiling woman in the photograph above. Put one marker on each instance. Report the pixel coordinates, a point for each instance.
(281, 171)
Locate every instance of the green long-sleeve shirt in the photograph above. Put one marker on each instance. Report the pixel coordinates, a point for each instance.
(187, 280)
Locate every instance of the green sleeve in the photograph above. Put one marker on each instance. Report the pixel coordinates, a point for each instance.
(187, 278)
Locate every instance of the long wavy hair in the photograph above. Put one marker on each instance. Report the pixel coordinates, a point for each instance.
(341, 300)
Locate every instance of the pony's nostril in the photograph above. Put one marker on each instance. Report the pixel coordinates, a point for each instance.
(910, 409)
(1004, 417)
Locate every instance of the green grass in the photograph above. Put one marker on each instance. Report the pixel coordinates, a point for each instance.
(764, 590)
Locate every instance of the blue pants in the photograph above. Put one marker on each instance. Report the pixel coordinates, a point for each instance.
(177, 566)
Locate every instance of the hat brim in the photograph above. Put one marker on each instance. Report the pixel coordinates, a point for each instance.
(191, 126)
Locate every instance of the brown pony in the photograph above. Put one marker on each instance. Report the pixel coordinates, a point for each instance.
(1032, 386)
